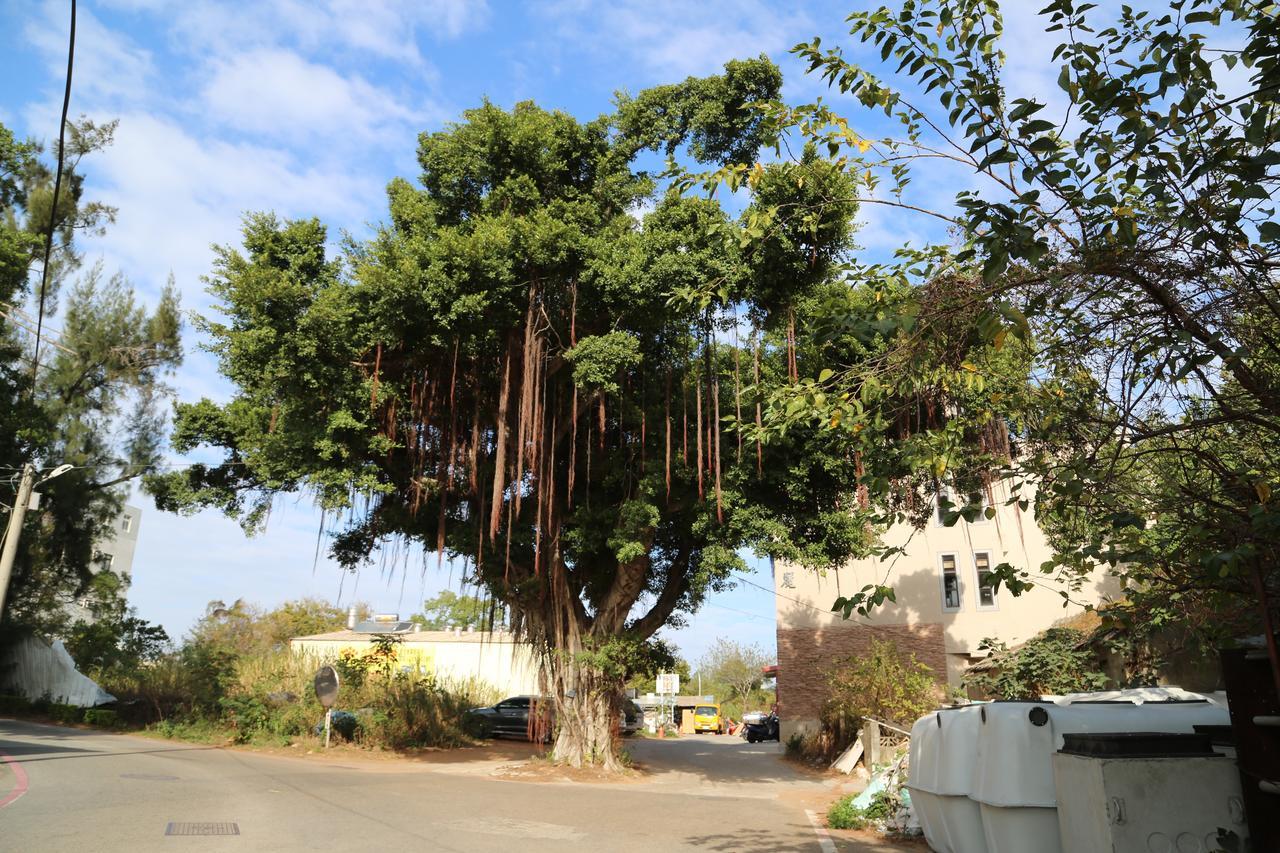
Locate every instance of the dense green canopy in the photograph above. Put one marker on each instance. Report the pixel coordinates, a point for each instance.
(531, 366)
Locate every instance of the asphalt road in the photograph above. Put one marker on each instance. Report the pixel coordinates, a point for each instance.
(82, 791)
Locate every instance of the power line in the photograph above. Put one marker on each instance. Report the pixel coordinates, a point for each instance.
(57, 188)
(743, 612)
(777, 594)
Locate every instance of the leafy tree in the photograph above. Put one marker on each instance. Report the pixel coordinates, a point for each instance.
(738, 666)
(241, 629)
(450, 609)
(517, 372)
(114, 638)
(96, 401)
(665, 659)
(1053, 661)
(1125, 249)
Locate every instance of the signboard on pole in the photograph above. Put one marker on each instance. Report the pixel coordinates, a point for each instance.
(669, 683)
(327, 692)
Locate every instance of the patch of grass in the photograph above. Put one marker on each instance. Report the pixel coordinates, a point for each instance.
(194, 730)
(843, 814)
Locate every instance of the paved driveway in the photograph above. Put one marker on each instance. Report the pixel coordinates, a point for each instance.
(88, 791)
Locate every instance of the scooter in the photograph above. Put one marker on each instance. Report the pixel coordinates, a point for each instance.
(766, 729)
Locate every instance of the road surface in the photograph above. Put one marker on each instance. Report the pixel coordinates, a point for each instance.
(83, 791)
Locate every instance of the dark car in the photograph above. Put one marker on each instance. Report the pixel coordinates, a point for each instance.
(508, 717)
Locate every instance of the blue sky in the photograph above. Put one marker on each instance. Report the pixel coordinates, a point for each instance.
(308, 108)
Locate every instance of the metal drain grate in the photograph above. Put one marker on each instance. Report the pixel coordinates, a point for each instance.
(202, 829)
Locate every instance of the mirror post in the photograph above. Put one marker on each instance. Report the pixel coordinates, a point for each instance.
(328, 717)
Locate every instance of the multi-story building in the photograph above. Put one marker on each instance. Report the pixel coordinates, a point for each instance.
(115, 554)
(945, 604)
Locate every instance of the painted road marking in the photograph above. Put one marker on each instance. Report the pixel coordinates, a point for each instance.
(824, 837)
(19, 780)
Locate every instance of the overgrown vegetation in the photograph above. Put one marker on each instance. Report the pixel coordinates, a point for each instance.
(235, 680)
(519, 372)
(1056, 661)
(882, 684)
(843, 814)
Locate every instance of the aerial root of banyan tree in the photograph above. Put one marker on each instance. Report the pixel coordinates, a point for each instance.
(503, 442)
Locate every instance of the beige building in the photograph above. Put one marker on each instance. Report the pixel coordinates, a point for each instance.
(497, 658)
(945, 606)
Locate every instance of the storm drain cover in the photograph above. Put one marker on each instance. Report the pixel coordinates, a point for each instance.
(202, 829)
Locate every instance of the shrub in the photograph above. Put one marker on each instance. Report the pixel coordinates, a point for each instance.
(102, 717)
(1051, 662)
(843, 814)
(14, 704)
(66, 713)
(880, 684)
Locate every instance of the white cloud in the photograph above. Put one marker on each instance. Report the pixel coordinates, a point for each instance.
(178, 192)
(110, 68)
(276, 92)
(675, 40)
(387, 29)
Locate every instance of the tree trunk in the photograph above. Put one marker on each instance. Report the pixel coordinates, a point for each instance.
(587, 705)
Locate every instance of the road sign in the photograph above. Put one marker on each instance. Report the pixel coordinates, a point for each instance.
(327, 686)
(327, 693)
(668, 682)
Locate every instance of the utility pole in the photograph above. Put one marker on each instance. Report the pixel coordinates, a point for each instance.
(14, 530)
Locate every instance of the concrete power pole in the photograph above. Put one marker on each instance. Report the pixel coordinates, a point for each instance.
(14, 530)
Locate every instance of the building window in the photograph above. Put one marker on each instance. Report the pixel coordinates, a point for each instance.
(126, 524)
(986, 589)
(950, 583)
(976, 498)
(944, 496)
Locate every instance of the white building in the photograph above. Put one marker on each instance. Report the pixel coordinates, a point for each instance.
(945, 605)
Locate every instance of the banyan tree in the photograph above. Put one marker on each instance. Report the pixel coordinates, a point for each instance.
(545, 367)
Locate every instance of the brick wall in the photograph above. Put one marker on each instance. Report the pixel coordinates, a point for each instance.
(806, 654)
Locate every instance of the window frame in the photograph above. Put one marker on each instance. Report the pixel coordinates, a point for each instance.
(950, 493)
(977, 583)
(942, 581)
(126, 524)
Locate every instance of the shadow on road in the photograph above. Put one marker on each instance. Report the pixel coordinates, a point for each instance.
(783, 840)
(44, 751)
(719, 759)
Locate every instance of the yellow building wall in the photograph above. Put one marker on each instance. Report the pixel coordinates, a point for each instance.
(507, 666)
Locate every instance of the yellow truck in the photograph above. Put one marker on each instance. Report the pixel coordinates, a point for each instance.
(706, 718)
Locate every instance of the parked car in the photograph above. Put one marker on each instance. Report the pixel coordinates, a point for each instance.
(632, 718)
(706, 718)
(510, 717)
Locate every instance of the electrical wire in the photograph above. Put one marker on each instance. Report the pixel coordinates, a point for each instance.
(777, 594)
(57, 188)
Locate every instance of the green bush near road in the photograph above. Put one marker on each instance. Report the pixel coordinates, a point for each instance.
(843, 814)
(102, 717)
(268, 699)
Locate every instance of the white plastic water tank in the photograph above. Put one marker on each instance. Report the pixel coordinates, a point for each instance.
(922, 781)
(944, 752)
(1014, 783)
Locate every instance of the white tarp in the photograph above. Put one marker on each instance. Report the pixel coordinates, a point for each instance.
(35, 669)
